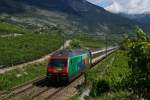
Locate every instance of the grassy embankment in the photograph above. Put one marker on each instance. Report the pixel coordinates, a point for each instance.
(21, 75)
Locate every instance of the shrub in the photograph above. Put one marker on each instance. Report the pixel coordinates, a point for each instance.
(99, 88)
(75, 44)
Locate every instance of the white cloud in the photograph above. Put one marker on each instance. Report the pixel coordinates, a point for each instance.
(102, 3)
(94, 1)
(125, 6)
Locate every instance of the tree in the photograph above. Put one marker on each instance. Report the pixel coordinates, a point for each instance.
(75, 44)
(138, 49)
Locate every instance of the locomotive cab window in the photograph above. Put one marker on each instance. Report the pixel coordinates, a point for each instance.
(58, 63)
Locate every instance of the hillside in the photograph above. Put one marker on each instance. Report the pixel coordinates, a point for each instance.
(141, 18)
(73, 16)
(19, 45)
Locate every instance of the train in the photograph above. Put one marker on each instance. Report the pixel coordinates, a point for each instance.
(66, 65)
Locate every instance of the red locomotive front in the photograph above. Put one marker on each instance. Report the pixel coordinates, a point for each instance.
(57, 69)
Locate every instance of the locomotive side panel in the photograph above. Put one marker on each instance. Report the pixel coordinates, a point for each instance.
(78, 64)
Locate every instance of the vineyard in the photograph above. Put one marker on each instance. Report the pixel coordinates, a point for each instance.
(20, 49)
(22, 75)
(7, 28)
(81, 41)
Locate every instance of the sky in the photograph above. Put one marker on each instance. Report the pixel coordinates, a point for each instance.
(124, 6)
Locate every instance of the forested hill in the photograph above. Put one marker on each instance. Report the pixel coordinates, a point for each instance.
(73, 16)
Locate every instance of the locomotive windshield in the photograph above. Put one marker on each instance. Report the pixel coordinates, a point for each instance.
(58, 63)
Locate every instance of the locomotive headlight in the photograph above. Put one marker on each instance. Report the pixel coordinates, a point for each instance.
(59, 69)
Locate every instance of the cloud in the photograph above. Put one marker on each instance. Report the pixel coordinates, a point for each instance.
(124, 6)
(94, 1)
(102, 3)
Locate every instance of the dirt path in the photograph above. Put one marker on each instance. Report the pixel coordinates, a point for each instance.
(2, 71)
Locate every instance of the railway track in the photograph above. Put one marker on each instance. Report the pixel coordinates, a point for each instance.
(54, 93)
(42, 89)
(38, 91)
(48, 94)
(21, 88)
(60, 94)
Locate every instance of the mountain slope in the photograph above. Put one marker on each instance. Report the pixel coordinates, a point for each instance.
(70, 15)
(141, 18)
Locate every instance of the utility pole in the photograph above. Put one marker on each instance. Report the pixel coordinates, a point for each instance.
(105, 39)
(61, 33)
(106, 44)
(63, 36)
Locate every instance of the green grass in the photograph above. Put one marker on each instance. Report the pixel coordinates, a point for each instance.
(87, 42)
(21, 75)
(110, 75)
(20, 49)
(120, 95)
(73, 98)
(91, 42)
(7, 28)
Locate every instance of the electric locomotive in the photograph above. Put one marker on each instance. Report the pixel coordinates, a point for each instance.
(66, 65)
